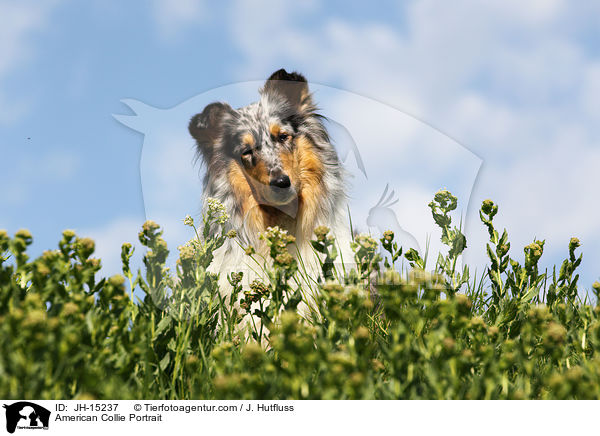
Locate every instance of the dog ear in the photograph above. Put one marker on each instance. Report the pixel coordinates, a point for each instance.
(206, 126)
(293, 86)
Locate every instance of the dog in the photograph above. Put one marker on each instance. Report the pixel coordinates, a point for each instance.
(272, 163)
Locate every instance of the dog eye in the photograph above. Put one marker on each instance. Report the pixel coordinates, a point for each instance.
(247, 152)
(283, 137)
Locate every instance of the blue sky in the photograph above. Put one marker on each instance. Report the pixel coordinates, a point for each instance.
(505, 94)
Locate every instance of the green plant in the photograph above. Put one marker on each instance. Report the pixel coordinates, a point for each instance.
(376, 332)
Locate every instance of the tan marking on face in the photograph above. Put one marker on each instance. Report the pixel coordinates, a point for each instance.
(310, 172)
(244, 196)
(289, 164)
(257, 217)
(259, 173)
(240, 186)
(305, 170)
(274, 129)
(310, 167)
(248, 139)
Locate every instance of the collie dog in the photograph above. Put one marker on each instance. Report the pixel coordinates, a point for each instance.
(271, 163)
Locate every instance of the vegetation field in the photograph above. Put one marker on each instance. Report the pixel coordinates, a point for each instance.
(396, 326)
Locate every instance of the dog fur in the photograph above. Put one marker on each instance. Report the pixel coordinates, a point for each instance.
(271, 163)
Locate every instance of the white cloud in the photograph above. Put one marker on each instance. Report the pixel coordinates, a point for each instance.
(512, 81)
(174, 16)
(109, 238)
(19, 21)
(590, 91)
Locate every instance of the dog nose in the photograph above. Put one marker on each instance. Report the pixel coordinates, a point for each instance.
(282, 181)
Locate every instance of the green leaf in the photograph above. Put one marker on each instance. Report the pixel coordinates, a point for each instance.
(491, 255)
(530, 294)
(163, 325)
(164, 362)
(318, 246)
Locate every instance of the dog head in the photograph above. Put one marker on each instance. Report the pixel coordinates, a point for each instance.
(268, 146)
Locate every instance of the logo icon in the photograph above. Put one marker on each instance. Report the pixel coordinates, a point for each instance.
(26, 415)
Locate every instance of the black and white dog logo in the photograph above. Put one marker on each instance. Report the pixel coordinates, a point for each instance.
(26, 415)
